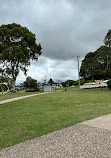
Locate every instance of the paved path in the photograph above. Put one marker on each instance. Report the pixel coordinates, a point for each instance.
(18, 98)
(103, 122)
(90, 139)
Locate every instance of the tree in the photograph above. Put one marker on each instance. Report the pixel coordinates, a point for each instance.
(97, 65)
(30, 83)
(0, 70)
(68, 83)
(5, 83)
(51, 81)
(107, 39)
(17, 48)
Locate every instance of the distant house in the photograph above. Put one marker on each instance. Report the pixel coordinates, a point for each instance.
(105, 82)
(57, 85)
(90, 83)
(101, 82)
(96, 84)
(40, 85)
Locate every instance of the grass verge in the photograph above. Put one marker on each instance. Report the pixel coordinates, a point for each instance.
(36, 116)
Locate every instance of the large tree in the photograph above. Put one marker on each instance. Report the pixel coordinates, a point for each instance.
(97, 65)
(17, 48)
(30, 83)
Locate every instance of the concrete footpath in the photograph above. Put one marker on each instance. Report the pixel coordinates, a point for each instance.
(18, 98)
(89, 139)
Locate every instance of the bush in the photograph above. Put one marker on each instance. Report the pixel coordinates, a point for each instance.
(109, 84)
(4, 87)
(32, 90)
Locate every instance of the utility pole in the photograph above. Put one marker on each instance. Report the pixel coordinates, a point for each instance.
(78, 70)
(45, 81)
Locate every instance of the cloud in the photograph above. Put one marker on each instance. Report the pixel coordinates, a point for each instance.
(65, 29)
(51, 68)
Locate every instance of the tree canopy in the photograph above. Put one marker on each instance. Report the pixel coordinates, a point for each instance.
(30, 83)
(17, 48)
(107, 39)
(97, 65)
(50, 81)
(68, 83)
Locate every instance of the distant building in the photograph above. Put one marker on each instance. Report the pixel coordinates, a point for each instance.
(90, 83)
(57, 85)
(40, 85)
(47, 88)
(96, 84)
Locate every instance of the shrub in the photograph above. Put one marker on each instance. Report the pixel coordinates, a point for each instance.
(32, 90)
(109, 84)
(3, 86)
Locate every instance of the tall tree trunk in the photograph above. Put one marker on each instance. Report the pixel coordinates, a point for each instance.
(13, 85)
(13, 78)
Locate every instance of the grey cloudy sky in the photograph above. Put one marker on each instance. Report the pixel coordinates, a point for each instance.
(65, 29)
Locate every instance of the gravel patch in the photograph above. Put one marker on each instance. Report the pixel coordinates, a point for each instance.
(79, 141)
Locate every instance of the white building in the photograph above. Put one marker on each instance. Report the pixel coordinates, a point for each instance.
(57, 85)
(47, 88)
(96, 84)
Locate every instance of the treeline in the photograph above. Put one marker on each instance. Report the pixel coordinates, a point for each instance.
(70, 83)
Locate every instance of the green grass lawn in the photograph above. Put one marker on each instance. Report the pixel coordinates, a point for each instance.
(35, 116)
(14, 95)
